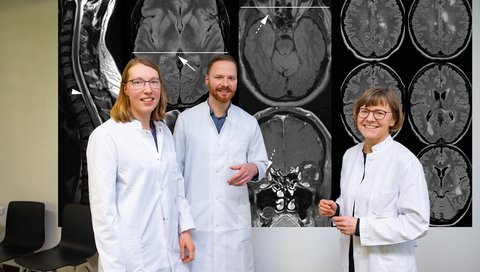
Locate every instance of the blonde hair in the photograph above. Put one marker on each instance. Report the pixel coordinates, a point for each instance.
(122, 111)
(381, 96)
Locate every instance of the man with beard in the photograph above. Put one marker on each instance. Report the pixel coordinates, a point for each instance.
(220, 149)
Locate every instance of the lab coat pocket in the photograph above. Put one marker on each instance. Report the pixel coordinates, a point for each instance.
(238, 152)
(384, 204)
(246, 249)
(396, 258)
(133, 254)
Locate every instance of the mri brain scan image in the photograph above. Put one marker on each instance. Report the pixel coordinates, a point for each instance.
(440, 29)
(192, 30)
(285, 50)
(362, 77)
(373, 29)
(449, 177)
(299, 146)
(440, 97)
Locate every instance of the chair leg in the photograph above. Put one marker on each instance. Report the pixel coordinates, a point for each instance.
(89, 267)
(86, 265)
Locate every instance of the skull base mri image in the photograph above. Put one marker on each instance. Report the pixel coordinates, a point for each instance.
(299, 147)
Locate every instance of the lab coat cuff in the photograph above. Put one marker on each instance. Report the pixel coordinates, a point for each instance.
(261, 168)
(186, 225)
(363, 231)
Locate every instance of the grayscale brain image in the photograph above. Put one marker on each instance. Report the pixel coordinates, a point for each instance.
(193, 30)
(362, 77)
(301, 66)
(448, 173)
(440, 29)
(285, 50)
(373, 29)
(299, 147)
(440, 103)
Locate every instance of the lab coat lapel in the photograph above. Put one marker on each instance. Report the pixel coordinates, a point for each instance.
(161, 155)
(159, 138)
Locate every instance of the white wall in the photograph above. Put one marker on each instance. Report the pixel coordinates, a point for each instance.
(28, 106)
(28, 152)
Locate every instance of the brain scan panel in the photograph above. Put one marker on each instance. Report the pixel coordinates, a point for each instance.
(373, 30)
(440, 29)
(192, 30)
(449, 177)
(300, 174)
(364, 76)
(285, 50)
(440, 97)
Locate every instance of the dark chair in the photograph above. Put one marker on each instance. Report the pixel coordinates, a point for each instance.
(24, 230)
(76, 245)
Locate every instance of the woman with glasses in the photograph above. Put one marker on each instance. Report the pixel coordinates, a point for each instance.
(140, 216)
(383, 206)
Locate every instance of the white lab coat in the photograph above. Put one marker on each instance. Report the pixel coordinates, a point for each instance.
(221, 212)
(392, 204)
(136, 198)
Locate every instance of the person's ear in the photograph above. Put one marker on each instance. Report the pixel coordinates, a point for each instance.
(206, 79)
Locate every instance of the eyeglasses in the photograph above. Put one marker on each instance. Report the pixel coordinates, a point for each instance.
(138, 84)
(377, 114)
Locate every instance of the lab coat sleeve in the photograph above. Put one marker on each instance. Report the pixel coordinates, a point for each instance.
(339, 200)
(179, 140)
(185, 215)
(102, 168)
(257, 152)
(412, 207)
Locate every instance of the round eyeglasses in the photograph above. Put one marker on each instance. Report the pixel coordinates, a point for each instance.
(377, 114)
(139, 84)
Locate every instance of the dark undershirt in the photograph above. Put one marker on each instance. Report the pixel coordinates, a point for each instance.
(351, 263)
(154, 133)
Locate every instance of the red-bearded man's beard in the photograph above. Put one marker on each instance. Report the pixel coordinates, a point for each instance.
(220, 95)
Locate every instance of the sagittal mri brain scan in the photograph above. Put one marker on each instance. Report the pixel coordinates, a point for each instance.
(448, 173)
(193, 30)
(97, 37)
(300, 174)
(362, 77)
(440, 29)
(373, 29)
(440, 103)
(285, 50)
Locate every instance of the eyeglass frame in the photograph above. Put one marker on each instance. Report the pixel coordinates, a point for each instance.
(144, 82)
(372, 111)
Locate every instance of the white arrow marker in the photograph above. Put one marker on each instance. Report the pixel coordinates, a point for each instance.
(263, 21)
(185, 62)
